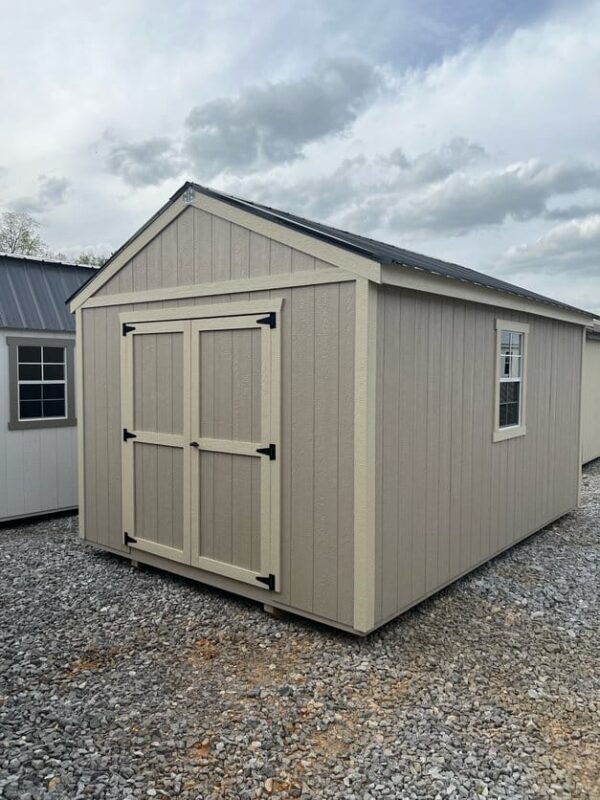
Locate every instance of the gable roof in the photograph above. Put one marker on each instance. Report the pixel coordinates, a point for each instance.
(33, 292)
(385, 254)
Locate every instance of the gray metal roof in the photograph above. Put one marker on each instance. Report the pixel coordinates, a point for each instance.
(385, 254)
(33, 292)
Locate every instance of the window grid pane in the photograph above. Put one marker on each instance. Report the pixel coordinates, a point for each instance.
(511, 371)
(41, 382)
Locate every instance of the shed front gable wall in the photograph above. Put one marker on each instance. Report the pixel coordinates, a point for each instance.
(317, 399)
(448, 497)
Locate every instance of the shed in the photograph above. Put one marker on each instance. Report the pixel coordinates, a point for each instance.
(591, 394)
(38, 445)
(323, 423)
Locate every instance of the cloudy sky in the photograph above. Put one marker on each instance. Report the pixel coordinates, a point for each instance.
(467, 130)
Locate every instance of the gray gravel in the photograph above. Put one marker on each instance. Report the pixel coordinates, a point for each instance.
(118, 683)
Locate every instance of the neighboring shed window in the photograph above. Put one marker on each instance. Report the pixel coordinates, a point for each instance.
(41, 383)
(511, 341)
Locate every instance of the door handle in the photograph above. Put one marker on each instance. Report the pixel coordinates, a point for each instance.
(194, 444)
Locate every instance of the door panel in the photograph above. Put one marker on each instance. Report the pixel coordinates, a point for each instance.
(156, 453)
(232, 385)
(230, 509)
(200, 400)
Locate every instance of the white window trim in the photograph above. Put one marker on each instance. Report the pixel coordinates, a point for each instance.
(511, 432)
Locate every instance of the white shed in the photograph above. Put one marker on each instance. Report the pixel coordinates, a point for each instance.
(38, 443)
(591, 395)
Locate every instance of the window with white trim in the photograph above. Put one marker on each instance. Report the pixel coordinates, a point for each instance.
(42, 382)
(511, 339)
(511, 366)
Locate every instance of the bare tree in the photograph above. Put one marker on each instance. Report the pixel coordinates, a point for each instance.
(92, 259)
(18, 234)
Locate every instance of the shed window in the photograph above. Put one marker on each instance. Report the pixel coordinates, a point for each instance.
(510, 380)
(41, 382)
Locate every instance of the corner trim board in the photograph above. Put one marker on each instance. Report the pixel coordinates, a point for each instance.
(365, 366)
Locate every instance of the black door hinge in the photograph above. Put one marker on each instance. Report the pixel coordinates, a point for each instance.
(128, 435)
(268, 580)
(127, 539)
(127, 328)
(270, 320)
(270, 451)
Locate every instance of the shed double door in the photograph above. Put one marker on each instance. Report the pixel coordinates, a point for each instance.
(200, 443)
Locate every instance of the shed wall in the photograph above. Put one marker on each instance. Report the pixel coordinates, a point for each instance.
(200, 248)
(317, 418)
(448, 498)
(38, 467)
(591, 400)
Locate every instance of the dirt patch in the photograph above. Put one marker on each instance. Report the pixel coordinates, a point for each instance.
(92, 662)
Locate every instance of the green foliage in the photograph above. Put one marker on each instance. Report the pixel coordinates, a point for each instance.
(18, 234)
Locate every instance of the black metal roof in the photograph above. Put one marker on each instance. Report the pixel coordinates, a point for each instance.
(385, 254)
(33, 292)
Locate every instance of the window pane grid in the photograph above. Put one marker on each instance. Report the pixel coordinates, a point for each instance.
(510, 375)
(41, 382)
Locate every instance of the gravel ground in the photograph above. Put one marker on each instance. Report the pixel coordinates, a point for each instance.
(117, 683)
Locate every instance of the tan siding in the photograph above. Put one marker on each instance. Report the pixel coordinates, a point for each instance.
(591, 400)
(316, 512)
(199, 248)
(449, 497)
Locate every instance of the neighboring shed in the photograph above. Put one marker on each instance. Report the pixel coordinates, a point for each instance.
(38, 445)
(591, 395)
(315, 420)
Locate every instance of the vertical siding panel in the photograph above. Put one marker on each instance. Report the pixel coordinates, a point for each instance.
(260, 255)
(281, 258)
(302, 449)
(389, 428)
(113, 387)
(457, 380)
(169, 255)
(185, 247)
(202, 246)
(302, 262)
(325, 555)
(240, 252)
(89, 408)
(471, 434)
(434, 411)
(447, 415)
(405, 418)
(418, 475)
(345, 439)
(101, 421)
(221, 248)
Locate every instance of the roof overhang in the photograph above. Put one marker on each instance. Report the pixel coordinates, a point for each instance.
(353, 262)
(422, 281)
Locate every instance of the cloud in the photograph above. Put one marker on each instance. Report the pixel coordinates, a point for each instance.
(517, 192)
(572, 245)
(52, 192)
(271, 124)
(144, 163)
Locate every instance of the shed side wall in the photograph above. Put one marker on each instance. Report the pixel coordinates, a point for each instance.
(591, 400)
(317, 417)
(38, 467)
(448, 497)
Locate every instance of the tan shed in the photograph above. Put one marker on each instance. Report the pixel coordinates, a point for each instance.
(591, 395)
(314, 420)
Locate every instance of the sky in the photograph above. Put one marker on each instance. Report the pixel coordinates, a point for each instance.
(468, 130)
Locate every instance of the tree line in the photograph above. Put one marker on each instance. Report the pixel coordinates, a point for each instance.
(19, 235)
